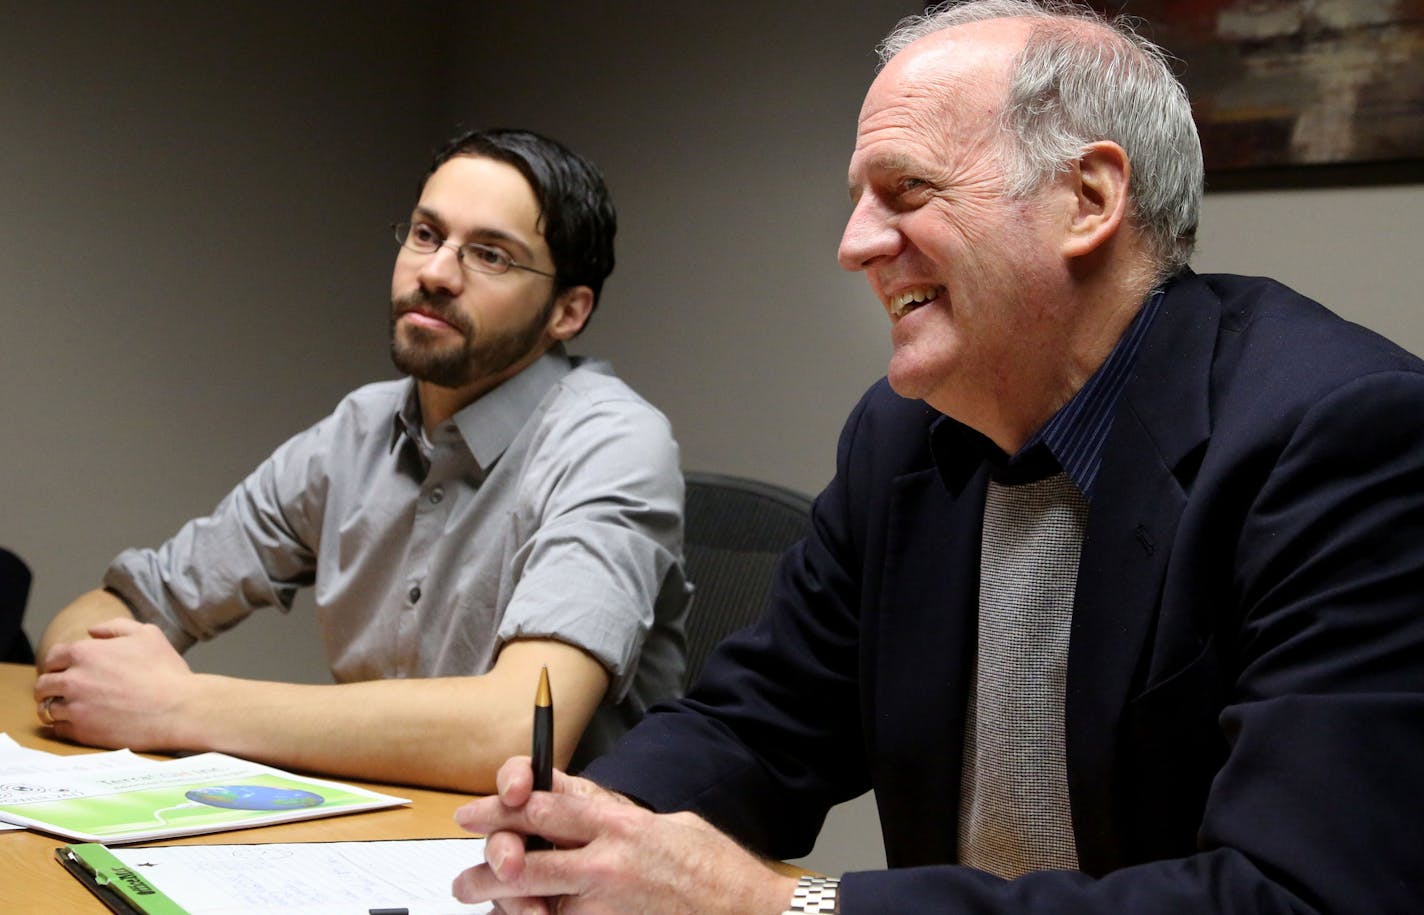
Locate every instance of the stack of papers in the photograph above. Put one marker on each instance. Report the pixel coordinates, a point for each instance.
(117, 797)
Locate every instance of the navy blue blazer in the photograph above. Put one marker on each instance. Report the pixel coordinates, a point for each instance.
(1245, 693)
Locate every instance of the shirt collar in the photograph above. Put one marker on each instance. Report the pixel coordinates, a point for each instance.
(490, 424)
(1073, 438)
(407, 419)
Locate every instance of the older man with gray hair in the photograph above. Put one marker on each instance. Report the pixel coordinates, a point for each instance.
(1116, 600)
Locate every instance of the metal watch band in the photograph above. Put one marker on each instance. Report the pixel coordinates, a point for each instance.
(814, 895)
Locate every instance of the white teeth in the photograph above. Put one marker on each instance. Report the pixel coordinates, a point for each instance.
(902, 303)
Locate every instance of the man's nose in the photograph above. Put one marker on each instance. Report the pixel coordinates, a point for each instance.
(442, 271)
(870, 233)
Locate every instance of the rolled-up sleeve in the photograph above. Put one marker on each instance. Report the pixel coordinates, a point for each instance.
(601, 529)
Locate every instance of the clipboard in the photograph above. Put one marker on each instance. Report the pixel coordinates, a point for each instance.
(116, 884)
(331, 878)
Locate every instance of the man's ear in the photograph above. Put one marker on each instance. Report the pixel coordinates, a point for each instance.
(1098, 182)
(570, 312)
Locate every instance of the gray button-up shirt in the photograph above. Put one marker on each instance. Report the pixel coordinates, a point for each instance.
(549, 508)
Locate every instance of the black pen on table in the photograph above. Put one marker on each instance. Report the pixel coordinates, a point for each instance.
(542, 757)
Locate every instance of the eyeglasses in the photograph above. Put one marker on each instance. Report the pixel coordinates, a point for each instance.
(422, 239)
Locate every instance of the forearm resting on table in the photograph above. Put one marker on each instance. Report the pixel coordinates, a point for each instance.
(448, 732)
(72, 623)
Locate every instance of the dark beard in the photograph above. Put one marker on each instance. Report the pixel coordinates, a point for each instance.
(455, 366)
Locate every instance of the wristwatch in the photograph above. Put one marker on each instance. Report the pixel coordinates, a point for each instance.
(814, 895)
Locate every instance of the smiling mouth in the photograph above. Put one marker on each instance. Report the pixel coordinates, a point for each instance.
(903, 303)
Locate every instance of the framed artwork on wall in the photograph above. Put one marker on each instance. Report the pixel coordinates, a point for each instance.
(1298, 92)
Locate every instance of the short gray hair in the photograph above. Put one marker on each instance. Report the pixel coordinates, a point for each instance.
(1082, 78)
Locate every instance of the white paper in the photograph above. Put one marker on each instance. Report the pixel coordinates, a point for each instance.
(16, 760)
(310, 878)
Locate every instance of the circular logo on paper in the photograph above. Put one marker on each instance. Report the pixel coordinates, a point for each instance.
(254, 797)
(22, 793)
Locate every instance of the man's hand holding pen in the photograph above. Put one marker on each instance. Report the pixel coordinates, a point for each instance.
(612, 856)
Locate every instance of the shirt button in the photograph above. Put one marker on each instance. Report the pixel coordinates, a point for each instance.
(436, 495)
(414, 594)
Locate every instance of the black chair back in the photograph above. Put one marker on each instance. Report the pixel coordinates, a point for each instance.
(14, 594)
(735, 532)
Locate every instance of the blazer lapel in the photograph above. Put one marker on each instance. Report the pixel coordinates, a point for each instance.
(1162, 419)
(925, 636)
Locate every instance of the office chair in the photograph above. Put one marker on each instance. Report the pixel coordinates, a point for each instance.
(735, 531)
(14, 593)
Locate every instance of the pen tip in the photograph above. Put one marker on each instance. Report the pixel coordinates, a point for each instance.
(544, 698)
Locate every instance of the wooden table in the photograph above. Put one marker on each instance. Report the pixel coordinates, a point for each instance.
(32, 881)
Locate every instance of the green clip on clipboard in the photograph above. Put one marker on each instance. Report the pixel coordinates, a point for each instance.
(116, 884)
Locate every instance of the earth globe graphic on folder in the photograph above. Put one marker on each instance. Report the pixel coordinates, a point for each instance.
(254, 797)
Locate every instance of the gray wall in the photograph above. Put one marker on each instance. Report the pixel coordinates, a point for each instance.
(195, 261)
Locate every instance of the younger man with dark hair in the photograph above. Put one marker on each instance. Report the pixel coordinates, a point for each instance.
(504, 508)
